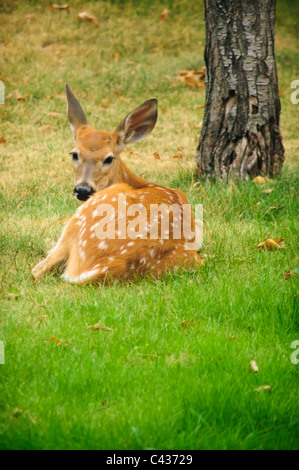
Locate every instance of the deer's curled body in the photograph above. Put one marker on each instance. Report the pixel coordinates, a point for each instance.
(101, 180)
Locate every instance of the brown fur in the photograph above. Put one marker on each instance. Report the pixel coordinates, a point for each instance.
(88, 258)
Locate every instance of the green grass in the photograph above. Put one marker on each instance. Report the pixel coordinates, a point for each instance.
(151, 383)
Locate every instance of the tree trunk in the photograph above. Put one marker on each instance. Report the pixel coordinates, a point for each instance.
(240, 135)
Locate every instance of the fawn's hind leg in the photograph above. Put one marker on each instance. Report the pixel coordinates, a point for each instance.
(55, 257)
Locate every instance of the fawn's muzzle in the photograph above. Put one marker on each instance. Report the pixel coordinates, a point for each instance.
(83, 191)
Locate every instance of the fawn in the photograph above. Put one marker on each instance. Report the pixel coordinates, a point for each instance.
(91, 253)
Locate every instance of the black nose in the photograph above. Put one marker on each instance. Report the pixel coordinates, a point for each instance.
(83, 191)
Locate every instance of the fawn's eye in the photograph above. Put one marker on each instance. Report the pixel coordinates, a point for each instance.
(108, 160)
(75, 156)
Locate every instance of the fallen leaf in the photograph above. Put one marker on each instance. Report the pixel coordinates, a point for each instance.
(46, 128)
(125, 100)
(57, 341)
(193, 78)
(254, 366)
(271, 244)
(263, 387)
(53, 114)
(134, 154)
(59, 7)
(164, 14)
(19, 97)
(188, 322)
(2, 140)
(64, 220)
(156, 155)
(291, 273)
(105, 103)
(259, 180)
(181, 153)
(267, 191)
(99, 326)
(30, 17)
(84, 16)
(47, 44)
(54, 339)
(116, 57)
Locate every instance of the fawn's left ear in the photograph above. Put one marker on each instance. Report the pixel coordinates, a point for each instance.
(74, 111)
(138, 124)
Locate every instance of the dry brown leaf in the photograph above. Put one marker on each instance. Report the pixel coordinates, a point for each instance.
(134, 154)
(46, 128)
(289, 274)
(2, 140)
(53, 114)
(99, 326)
(164, 14)
(254, 366)
(54, 339)
(57, 341)
(59, 7)
(267, 191)
(181, 152)
(125, 100)
(259, 180)
(30, 17)
(105, 103)
(188, 322)
(19, 97)
(263, 387)
(84, 16)
(193, 78)
(156, 155)
(271, 244)
(116, 57)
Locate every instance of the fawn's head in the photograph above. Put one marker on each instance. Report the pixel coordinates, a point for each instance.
(95, 154)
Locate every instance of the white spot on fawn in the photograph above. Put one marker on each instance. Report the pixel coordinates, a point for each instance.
(102, 245)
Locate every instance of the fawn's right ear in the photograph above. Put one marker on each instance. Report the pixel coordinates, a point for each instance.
(138, 124)
(74, 111)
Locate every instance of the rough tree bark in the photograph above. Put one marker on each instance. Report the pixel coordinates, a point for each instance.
(240, 135)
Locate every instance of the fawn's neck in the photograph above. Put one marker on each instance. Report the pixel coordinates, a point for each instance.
(127, 176)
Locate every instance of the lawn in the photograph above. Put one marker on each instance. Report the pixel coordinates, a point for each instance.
(174, 372)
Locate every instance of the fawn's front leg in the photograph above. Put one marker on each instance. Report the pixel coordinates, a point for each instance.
(55, 257)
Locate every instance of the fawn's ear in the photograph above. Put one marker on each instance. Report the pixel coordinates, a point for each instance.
(74, 111)
(138, 124)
